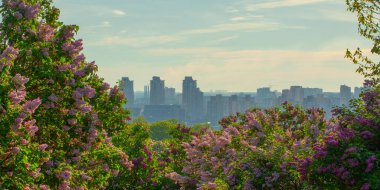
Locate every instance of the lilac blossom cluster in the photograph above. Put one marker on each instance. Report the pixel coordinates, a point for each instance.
(23, 9)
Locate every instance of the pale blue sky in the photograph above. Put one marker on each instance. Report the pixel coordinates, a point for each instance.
(236, 45)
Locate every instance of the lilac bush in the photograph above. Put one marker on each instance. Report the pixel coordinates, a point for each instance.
(57, 116)
(254, 150)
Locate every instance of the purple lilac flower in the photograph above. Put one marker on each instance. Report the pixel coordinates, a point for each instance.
(366, 135)
(365, 186)
(353, 162)
(24, 142)
(18, 15)
(10, 54)
(63, 67)
(370, 163)
(31, 106)
(46, 32)
(30, 127)
(43, 146)
(15, 150)
(80, 72)
(44, 187)
(105, 167)
(65, 174)
(45, 51)
(17, 96)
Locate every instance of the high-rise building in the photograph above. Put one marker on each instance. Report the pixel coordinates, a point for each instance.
(296, 95)
(357, 91)
(170, 96)
(217, 108)
(247, 103)
(285, 96)
(265, 98)
(312, 92)
(192, 100)
(233, 105)
(345, 94)
(157, 91)
(127, 87)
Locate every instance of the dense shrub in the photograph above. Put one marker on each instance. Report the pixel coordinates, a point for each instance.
(57, 115)
(255, 150)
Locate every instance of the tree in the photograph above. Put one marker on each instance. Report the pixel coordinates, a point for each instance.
(61, 137)
(368, 15)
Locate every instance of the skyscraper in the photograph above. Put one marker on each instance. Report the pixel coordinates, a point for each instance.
(157, 91)
(285, 96)
(170, 97)
(357, 92)
(265, 98)
(296, 94)
(345, 94)
(217, 108)
(192, 99)
(127, 87)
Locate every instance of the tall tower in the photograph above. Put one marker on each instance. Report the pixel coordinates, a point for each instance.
(157, 91)
(345, 94)
(296, 94)
(192, 99)
(127, 87)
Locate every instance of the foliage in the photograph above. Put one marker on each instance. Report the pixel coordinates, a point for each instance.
(56, 117)
(255, 150)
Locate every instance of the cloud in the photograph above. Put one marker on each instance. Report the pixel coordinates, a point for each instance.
(135, 41)
(118, 13)
(225, 39)
(283, 3)
(216, 68)
(239, 18)
(230, 27)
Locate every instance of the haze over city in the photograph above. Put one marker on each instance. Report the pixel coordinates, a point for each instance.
(235, 46)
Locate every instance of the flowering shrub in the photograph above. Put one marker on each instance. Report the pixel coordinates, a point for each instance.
(254, 150)
(152, 152)
(57, 115)
(347, 158)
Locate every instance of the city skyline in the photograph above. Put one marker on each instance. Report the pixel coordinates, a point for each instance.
(192, 105)
(237, 46)
(279, 90)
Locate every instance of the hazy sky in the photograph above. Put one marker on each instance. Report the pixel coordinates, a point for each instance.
(236, 45)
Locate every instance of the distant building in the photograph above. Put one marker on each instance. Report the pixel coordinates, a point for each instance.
(247, 102)
(157, 91)
(146, 94)
(345, 94)
(265, 98)
(233, 105)
(192, 100)
(312, 92)
(154, 113)
(296, 95)
(127, 87)
(285, 96)
(217, 108)
(170, 96)
(357, 91)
